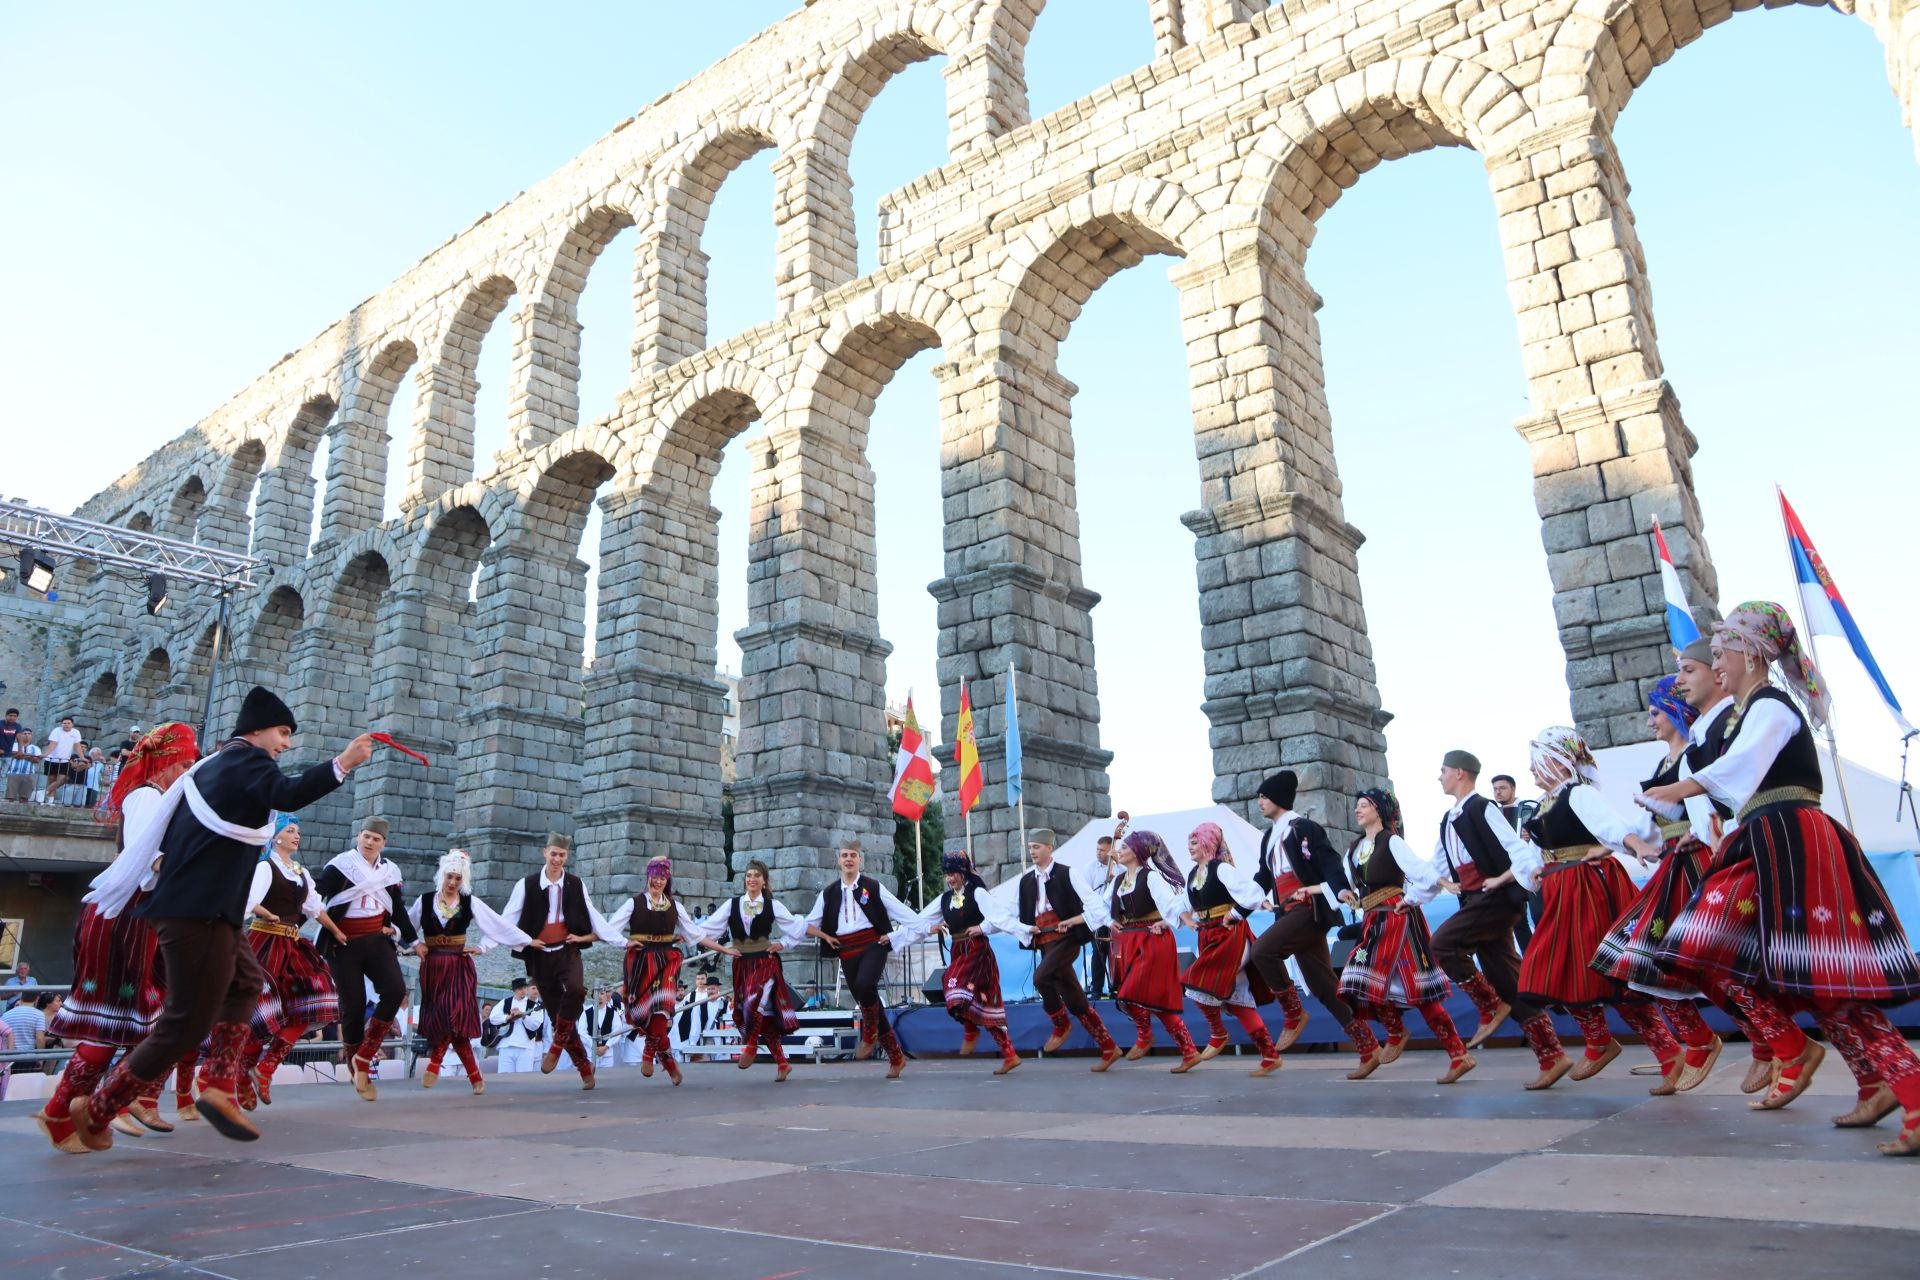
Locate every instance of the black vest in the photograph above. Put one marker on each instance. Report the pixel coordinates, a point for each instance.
(1214, 893)
(1798, 764)
(1557, 826)
(1711, 747)
(573, 905)
(657, 924)
(1667, 774)
(431, 925)
(285, 898)
(968, 915)
(1488, 854)
(1061, 895)
(762, 927)
(1139, 905)
(872, 907)
(1381, 870)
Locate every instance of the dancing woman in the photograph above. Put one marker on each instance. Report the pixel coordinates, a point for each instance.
(650, 925)
(446, 921)
(1393, 965)
(967, 913)
(754, 929)
(117, 986)
(1791, 916)
(1219, 900)
(299, 991)
(1147, 897)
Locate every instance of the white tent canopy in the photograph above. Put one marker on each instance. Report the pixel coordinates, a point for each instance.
(1174, 827)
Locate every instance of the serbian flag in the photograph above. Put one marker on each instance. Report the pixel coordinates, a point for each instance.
(912, 770)
(1824, 609)
(1681, 628)
(967, 753)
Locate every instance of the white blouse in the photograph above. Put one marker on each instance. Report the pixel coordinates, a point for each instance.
(788, 929)
(263, 875)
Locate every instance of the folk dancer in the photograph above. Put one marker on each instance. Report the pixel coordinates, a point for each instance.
(300, 991)
(1220, 897)
(1585, 889)
(1296, 860)
(1483, 860)
(1622, 955)
(1791, 916)
(216, 818)
(452, 926)
(861, 920)
(523, 1025)
(1392, 967)
(1146, 899)
(551, 907)
(366, 887)
(1062, 911)
(967, 913)
(754, 928)
(650, 925)
(116, 993)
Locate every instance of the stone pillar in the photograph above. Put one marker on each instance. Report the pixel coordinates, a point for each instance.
(354, 498)
(986, 96)
(1610, 451)
(813, 765)
(1289, 672)
(419, 676)
(520, 744)
(440, 456)
(543, 401)
(1013, 591)
(654, 709)
(283, 515)
(670, 307)
(223, 527)
(813, 227)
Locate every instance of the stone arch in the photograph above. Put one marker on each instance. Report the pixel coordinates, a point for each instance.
(550, 378)
(226, 522)
(843, 373)
(283, 513)
(447, 555)
(102, 700)
(270, 636)
(673, 299)
(451, 385)
(148, 684)
(695, 425)
(995, 71)
(364, 438)
(557, 497)
(183, 511)
(140, 522)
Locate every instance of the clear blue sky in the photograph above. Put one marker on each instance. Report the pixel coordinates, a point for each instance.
(196, 190)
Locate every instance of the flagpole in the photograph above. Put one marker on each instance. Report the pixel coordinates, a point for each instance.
(919, 871)
(1013, 685)
(1813, 646)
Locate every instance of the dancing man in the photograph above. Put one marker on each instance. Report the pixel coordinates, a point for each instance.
(208, 850)
(300, 991)
(116, 993)
(551, 907)
(1062, 911)
(1220, 897)
(967, 913)
(374, 921)
(1484, 861)
(1791, 916)
(1146, 899)
(447, 921)
(1393, 964)
(1296, 860)
(861, 920)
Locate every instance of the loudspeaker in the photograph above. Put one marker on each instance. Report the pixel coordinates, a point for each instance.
(935, 987)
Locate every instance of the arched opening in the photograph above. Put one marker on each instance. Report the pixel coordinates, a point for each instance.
(98, 708)
(149, 685)
(468, 407)
(602, 302)
(718, 252)
(386, 403)
(227, 522)
(1078, 46)
(334, 676)
(892, 102)
(183, 514)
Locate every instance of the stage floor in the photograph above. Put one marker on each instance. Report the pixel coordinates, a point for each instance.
(952, 1173)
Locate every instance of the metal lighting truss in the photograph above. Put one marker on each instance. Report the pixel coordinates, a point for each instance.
(30, 528)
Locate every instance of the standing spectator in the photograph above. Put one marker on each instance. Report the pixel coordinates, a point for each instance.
(22, 980)
(23, 769)
(8, 728)
(61, 742)
(28, 1021)
(131, 741)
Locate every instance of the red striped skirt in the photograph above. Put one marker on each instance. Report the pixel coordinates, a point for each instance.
(1626, 953)
(299, 990)
(973, 984)
(653, 981)
(449, 996)
(117, 985)
(1582, 900)
(1146, 970)
(1393, 962)
(1219, 974)
(760, 990)
(1790, 903)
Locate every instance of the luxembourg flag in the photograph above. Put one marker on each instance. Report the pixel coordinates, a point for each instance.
(1824, 609)
(1681, 628)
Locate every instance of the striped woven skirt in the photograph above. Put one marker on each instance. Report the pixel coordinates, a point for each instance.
(652, 981)
(449, 996)
(1393, 962)
(972, 985)
(1790, 903)
(1626, 954)
(117, 985)
(760, 991)
(1146, 970)
(1582, 900)
(299, 990)
(1220, 974)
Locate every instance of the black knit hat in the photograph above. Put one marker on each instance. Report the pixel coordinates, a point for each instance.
(262, 710)
(1281, 788)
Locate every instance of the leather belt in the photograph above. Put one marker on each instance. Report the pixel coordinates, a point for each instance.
(651, 937)
(1381, 897)
(1214, 913)
(273, 928)
(1795, 797)
(1572, 853)
(1136, 926)
(751, 946)
(446, 942)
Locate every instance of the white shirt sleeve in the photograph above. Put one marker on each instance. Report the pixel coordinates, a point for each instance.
(819, 910)
(496, 930)
(516, 901)
(793, 930)
(1524, 855)
(262, 881)
(919, 927)
(714, 926)
(1765, 729)
(1608, 826)
(1093, 904)
(684, 924)
(1423, 878)
(1245, 890)
(898, 913)
(619, 921)
(416, 912)
(499, 1015)
(997, 917)
(602, 927)
(1170, 899)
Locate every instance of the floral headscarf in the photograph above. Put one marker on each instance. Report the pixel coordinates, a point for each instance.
(1385, 804)
(1762, 629)
(1151, 851)
(1562, 746)
(162, 747)
(1666, 699)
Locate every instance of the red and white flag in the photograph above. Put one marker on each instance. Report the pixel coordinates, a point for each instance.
(912, 770)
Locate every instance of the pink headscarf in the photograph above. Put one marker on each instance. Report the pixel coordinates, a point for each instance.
(1213, 840)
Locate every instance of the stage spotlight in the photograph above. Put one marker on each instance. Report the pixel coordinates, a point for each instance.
(36, 570)
(156, 592)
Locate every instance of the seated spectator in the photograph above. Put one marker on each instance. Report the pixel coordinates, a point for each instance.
(22, 980)
(96, 777)
(23, 769)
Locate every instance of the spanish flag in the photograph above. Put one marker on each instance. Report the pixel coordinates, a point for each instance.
(967, 754)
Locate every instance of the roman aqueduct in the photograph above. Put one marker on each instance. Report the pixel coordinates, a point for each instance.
(1222, 154)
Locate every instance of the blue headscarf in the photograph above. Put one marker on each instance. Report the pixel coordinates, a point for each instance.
(281, 821)
(1666, 699)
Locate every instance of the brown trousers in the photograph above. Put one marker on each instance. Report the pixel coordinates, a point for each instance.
(211, 976)
(563, 989)
(1056, 980)
(1296, 933)
(1482, 930)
